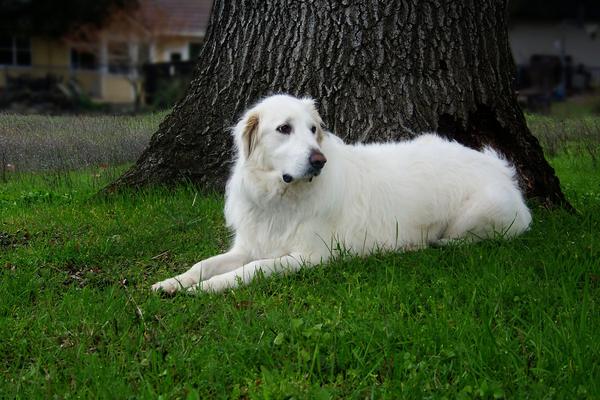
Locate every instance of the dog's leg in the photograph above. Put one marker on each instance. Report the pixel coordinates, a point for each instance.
(203, 270)
(245, 274)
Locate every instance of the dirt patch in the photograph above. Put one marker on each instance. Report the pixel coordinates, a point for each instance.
(16, 239)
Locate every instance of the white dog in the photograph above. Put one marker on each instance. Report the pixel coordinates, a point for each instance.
(297, 193)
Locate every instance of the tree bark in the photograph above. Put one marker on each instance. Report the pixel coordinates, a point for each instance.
(379, 70)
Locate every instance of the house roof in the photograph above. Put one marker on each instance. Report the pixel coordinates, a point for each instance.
(175, 17)
(153, 18)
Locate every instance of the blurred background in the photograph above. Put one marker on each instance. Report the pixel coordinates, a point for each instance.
(97, 55)
(130, 56)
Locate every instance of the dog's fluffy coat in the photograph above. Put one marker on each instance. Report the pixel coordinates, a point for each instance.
(388, 196)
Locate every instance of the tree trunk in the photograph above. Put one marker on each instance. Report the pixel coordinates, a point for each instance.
(378, 70)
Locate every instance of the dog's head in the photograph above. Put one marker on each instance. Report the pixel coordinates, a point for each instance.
(282, 134)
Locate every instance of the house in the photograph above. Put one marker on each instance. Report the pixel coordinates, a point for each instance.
(556, 45)
(572, 43)
(106, 63)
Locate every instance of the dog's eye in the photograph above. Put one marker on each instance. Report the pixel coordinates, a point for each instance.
(286, 129)
(313, 129)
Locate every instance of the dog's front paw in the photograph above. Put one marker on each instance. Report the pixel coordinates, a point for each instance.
(213, 285)
(168, 286)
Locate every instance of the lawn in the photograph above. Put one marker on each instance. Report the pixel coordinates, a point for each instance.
(44, 143)
(490, 320)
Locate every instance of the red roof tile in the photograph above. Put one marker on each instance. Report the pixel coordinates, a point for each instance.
(175, 17)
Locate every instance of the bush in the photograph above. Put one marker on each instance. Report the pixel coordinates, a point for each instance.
(168, 93)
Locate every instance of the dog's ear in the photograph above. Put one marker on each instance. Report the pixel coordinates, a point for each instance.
(309, 102)
(245, 133)
(312, 106)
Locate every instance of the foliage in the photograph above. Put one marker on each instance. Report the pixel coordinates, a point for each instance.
(169, 92)
(56, 17)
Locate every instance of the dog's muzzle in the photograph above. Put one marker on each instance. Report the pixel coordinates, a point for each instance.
(316, 162)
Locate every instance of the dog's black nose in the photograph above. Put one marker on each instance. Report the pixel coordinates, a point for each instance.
(317, 160)
(287, 178)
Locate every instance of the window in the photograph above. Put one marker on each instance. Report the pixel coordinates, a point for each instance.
(118, 58)
(15, 50)
(82, 59)
(175, 57)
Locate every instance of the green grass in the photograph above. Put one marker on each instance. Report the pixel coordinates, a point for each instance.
(576, 107)
(63, 143)
(491, 320)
